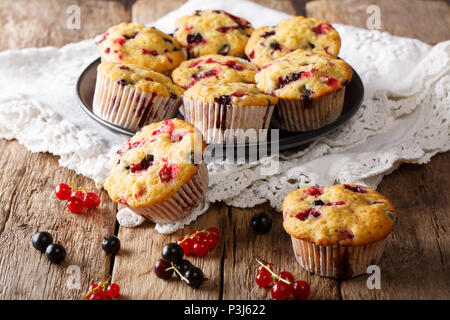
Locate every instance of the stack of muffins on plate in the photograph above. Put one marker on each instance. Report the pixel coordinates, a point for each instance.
(230, 82)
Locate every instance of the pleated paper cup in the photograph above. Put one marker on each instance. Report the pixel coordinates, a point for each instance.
(302, 115)
(128, 107)
(181, 203)
(337, 261)
(228, 124)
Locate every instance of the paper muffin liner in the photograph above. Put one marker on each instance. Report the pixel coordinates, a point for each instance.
(228, 124)
(300, 115)
(181, 203)
(337, 261)
(128, 107)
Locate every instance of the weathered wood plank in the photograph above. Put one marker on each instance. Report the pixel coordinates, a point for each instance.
(408, 18)
(27, 205)
(141, 248)
(39, 23)
(243, 246)
(415, 262)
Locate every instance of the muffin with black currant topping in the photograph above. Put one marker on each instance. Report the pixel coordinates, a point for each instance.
(160, 173)
(214, 68)
(310, 87)
(270, 43)
(229, 112)
(132, 97)
(212, 32)
(134, 43)
(338, 231)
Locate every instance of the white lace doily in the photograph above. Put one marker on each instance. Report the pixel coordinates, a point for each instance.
(404, 117)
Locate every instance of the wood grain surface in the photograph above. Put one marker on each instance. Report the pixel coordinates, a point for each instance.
(415, 263)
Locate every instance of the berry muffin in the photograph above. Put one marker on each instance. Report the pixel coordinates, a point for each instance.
(131, 97)
(311, 88)
(212, 69)
(134, 43)
(159, 173)
(338, 231)
(212, 32)
(270, 43)
(229, 112)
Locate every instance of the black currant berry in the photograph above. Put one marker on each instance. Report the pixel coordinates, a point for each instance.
(183, 266)
(195, 277)
(172, 252)
(55, 253)
(41, 240)
(162, 269)
(111, 244)
(261, 223)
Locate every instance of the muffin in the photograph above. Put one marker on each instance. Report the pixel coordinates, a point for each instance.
(212, 32)
(212, 69)
(310, 87)
(159, 173)
(134, 43)
(338, 231)
(229, 112)
(131, 97)
(270, 43)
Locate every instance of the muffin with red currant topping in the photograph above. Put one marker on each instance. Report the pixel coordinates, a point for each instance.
(229, 112)
(212, 69)
(338, 231)
(212, 32)
(159, 173)
(310, 86)
(134, 43)
(270, 43)
(131, 97)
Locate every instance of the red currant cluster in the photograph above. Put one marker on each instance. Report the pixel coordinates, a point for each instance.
(283, 284)
(77, 198)
(102, 291)
(199, 242)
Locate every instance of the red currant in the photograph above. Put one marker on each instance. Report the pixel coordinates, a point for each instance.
(63, 191)
(287, 276)
(97, 295)
(75, 204)
(200, 249)
(187, 245)
(264, 279)
(92, 287)
(214, 231)
(201, 236)
(91, 200)
(281, 290)
(264, 270)
(300, 290)
(113, 290)
(211, 241)
(78, 194)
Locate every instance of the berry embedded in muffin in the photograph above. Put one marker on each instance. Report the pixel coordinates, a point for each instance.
(212, 32)
(134, 43)
(270, 43)
(213, 69)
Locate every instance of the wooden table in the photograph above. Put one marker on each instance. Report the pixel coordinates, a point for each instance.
(415, 263)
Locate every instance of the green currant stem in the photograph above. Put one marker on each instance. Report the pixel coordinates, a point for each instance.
(193, 235)
(179, 273)
(273, 273)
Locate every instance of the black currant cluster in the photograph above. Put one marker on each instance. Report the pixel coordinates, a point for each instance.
(173, 262)
(43, 241)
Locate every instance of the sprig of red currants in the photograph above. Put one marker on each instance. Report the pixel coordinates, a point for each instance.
(283, 284)
(102, 291)
(199, 242)
(77, 198)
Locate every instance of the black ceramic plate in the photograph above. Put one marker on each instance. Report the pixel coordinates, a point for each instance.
(354, 94)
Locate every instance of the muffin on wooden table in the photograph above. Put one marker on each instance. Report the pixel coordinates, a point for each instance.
(212, 69)
(159, 173)
(212, 32)
(310, 87)
(134, 43)
(338, 231)
(225, 112)
(131, 97)
(270, 43)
